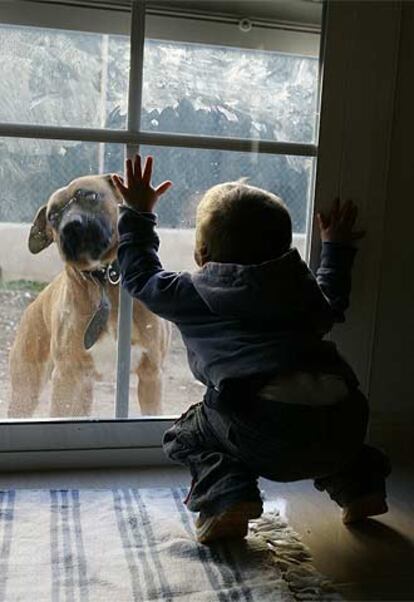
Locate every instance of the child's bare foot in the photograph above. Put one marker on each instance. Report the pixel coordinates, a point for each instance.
(364, 507)
(231, 524)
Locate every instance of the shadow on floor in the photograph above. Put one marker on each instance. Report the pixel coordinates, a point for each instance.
(381, 560)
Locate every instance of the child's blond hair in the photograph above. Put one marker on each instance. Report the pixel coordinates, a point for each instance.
(239, 223)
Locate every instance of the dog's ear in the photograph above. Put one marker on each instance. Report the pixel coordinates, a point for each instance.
(40, 235)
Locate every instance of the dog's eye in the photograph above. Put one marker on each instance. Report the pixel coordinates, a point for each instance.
(53, 217)
(91, 196)
(86, 195)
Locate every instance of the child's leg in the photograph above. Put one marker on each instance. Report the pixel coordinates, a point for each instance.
(219, 479)
(360, 487)
(223, 490)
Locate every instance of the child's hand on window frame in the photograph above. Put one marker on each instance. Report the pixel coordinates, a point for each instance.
(338, 224)
(137, 192)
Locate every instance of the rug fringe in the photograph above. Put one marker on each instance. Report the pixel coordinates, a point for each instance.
(293, 559)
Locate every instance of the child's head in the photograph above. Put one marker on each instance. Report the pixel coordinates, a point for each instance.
(237, 223)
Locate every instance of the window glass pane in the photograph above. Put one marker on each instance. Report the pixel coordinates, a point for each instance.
(225, 91)
(31, 170)
(193, 172)
(49, 339)
(65, 78)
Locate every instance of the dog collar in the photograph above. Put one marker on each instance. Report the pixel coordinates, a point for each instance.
(107, 274)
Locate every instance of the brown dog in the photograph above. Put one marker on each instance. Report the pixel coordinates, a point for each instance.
(72, 324)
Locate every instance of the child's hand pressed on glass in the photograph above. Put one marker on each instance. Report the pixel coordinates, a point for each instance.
(137, 192)
(338, 225)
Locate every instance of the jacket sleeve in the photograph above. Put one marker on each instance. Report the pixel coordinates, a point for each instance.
(334, 276)
(167, 294)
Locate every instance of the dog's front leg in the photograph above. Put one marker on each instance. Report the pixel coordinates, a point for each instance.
(149, 387)
(27, 380)
(72, 390)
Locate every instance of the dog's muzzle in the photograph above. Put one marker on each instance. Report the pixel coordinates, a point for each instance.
(84, 236)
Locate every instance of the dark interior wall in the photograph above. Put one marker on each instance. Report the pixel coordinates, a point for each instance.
(365, 154)
(392, 375)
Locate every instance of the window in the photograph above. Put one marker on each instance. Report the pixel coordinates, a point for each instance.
(63, 78)
(232, 92)
(210, 101)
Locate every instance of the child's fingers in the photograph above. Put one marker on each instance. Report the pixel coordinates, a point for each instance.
(147, 173)
(137, 166)
(347, 212)
(350, 217)
(322, 222)
(129, 172)
(319, 220)
(119, 183)
(163, 187)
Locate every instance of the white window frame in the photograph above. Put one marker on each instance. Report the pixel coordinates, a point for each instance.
(167, 24)
(83, 442)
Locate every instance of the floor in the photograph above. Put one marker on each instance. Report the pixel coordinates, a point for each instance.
(375, 562)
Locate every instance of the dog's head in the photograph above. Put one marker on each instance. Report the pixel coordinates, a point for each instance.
(82, 219)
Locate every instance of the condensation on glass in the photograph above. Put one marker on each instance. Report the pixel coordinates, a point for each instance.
(222, 91)
(63, 78)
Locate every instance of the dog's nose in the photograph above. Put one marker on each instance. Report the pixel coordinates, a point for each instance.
(80, 236)
(71, 235)
(73, 228)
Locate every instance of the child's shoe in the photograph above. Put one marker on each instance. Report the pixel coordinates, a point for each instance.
(364, 507)
(230, 524)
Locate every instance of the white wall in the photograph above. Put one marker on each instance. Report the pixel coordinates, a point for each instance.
(360, 66)
(16, 262)
(366, 154)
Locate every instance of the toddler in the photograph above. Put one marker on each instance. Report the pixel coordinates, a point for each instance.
(280, 402)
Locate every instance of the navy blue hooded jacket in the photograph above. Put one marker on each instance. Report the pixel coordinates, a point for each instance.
(236, 320)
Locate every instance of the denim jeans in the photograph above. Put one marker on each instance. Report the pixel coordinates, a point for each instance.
(227, 450)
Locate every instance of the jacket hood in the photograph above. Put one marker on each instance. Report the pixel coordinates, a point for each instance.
(280, 289)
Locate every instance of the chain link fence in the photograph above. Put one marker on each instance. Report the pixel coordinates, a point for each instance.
(31, 170)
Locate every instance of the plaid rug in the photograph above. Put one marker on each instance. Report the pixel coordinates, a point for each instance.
(138, 545)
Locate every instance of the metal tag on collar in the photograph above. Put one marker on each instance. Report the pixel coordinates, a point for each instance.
(98, 322)
(113, 274)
